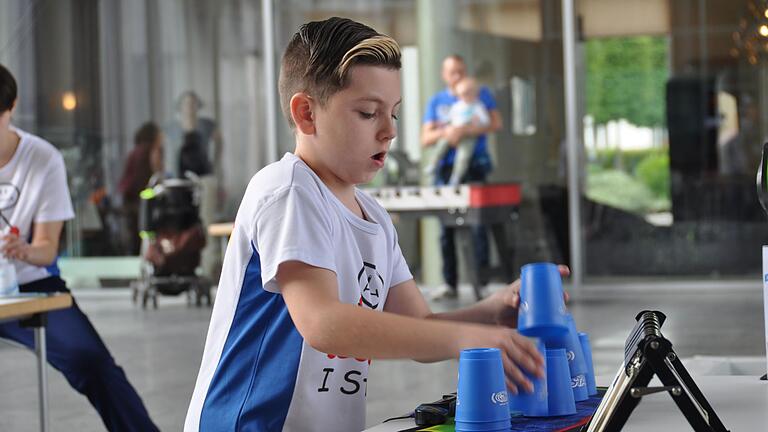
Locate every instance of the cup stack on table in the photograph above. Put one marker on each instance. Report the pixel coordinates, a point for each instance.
(543, 316)
(483, 403)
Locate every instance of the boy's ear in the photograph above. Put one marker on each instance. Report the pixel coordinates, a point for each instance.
(302, 114)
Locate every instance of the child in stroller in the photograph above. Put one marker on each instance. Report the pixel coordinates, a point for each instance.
(172, 240)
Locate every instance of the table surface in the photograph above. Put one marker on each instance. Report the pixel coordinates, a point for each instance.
(28, 304)
(741, 403)
(223, 229)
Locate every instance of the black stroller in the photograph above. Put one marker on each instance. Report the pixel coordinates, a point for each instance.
(172, 240)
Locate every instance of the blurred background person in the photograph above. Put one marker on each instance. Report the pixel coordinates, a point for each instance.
(193, 157)
(35, 168)
(436, 126)
(144, 160)
(188, 119)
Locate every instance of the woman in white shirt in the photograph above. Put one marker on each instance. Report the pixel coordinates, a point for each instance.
(35, 169)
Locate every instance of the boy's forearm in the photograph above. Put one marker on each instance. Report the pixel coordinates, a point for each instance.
(42, 254)
(486, 311)
(361, 333)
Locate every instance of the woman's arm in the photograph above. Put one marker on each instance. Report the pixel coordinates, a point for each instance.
(43, 249)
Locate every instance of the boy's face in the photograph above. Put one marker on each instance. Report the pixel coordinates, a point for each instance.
(357, 124)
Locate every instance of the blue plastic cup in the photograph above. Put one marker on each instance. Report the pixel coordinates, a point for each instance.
(559, 393)
(587, 350)
(532, 404)
(579, 387)
(542, 309)
(482, 401)
(578, 367)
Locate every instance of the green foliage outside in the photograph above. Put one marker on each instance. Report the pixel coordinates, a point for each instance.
(626, 160)
(645, 190)
(626, 79)
(618, 189)
(653, 171)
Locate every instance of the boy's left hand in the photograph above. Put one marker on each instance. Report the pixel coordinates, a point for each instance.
(509, 299)
(14, 247)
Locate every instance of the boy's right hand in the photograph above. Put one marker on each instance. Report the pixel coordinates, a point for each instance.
(518, 353)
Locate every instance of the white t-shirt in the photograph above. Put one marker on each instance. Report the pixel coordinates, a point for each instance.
(36, 179)
(257, 372)
(463, 113)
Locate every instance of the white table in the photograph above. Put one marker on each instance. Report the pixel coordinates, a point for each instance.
(35, 307)
(741, 402)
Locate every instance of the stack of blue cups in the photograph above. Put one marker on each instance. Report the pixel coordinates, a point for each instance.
(532, 404)
(482, 403)
(542, 315)
(587, 350)
(560, 396)
(570, 342)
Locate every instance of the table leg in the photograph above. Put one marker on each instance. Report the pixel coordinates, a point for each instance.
(506, 254)
(466, 243)
(42, 377)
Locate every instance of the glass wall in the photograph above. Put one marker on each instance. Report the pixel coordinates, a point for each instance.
(671, 99)
(91, 73)
(674, 122)
(513, 47)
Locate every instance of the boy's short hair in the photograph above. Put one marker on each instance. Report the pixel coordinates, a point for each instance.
(320, 55)
(8, 89)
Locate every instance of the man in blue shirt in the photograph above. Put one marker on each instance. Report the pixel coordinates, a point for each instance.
(436, 126)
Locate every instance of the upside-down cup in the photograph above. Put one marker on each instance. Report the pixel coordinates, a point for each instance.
(482, 402)
(542, 311)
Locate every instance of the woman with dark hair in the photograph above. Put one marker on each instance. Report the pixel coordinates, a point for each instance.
(36, 169)
(144, 160)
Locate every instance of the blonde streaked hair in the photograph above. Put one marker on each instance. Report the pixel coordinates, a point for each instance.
(320, 55)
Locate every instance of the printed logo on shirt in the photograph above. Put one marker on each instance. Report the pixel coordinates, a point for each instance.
(9, 195)
(371, 286)
(355, 381)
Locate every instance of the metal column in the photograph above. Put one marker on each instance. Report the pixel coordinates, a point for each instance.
(572, 143)
(270, 82)
(42, 378)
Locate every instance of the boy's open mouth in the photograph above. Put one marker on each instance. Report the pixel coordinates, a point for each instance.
(379, 156)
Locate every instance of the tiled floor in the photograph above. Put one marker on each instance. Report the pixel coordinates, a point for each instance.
(160, 351)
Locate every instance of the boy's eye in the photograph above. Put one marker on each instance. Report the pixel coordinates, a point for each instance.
(394, 116)
(367, 115)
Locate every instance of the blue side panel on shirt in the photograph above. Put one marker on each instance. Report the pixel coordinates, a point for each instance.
(252, 387)
(53, 269)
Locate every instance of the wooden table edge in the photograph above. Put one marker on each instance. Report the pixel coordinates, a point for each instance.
(223, 229)
(41, 304)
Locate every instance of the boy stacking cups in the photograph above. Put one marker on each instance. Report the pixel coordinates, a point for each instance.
(314, 285)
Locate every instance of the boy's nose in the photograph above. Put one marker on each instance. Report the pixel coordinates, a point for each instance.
(389, 131)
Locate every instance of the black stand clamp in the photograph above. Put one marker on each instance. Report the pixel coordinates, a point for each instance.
(648, 353)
